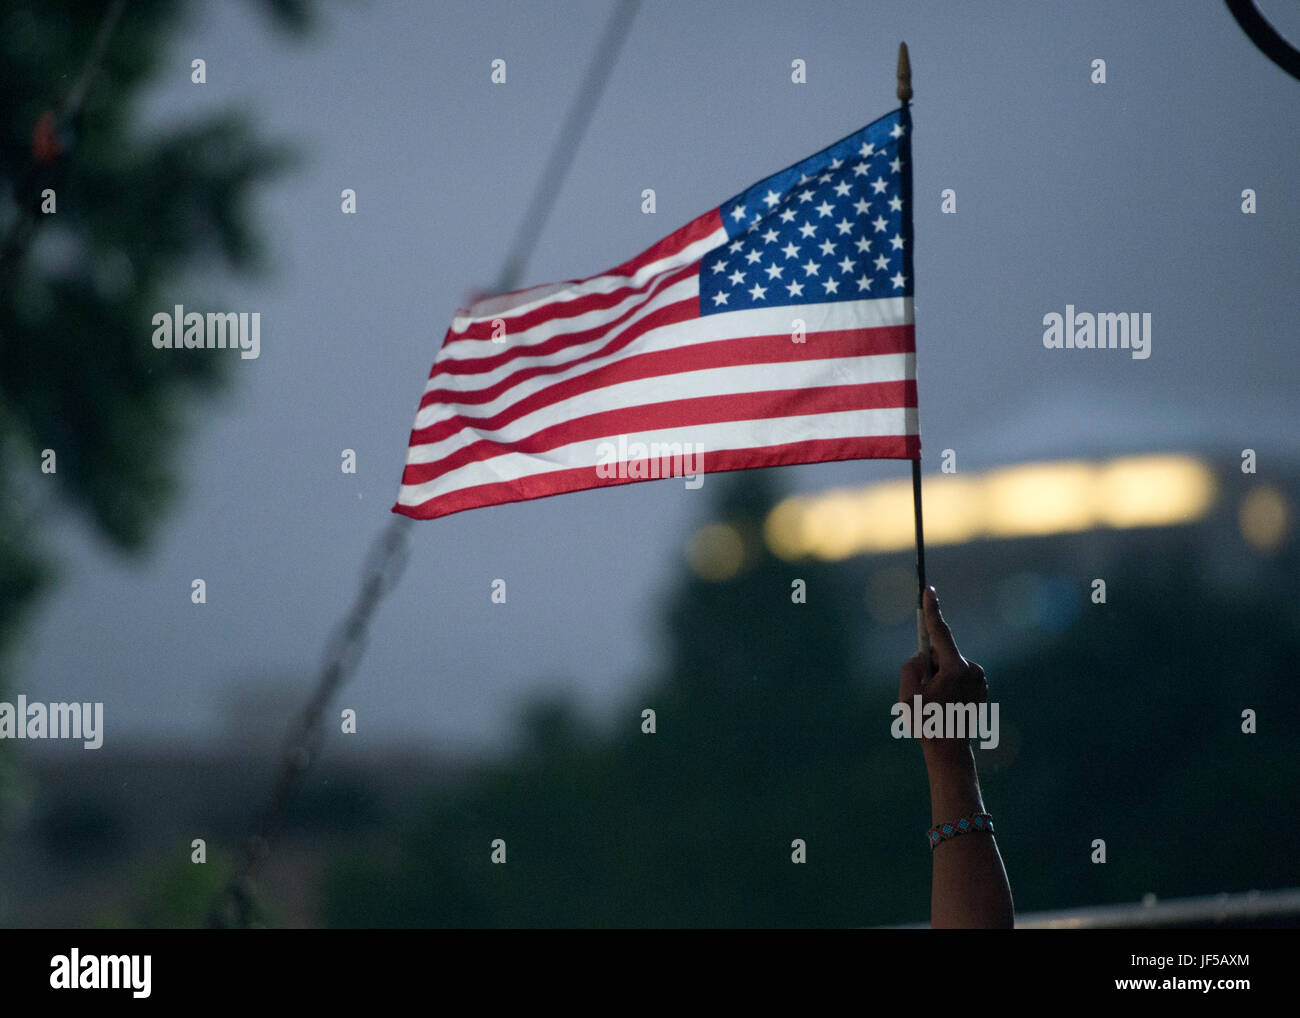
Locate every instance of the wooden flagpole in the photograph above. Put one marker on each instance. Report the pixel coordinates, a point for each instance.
(922, 637)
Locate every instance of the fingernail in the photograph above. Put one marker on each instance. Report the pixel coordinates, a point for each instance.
(933, 596)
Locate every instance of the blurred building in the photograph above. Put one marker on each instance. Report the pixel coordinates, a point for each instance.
(106, 837)
(1016, 551)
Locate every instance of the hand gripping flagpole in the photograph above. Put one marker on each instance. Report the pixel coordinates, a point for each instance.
(905, 97)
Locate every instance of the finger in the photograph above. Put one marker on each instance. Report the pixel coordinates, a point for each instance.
(910, 679)
(946, 654)
(978, 682)
(923, 643)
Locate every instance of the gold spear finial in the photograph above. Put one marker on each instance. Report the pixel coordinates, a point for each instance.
(904, 75)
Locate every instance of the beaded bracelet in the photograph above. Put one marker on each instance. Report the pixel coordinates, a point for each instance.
(977, 822)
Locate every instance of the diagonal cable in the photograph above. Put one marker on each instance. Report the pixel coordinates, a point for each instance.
(566, 145)
(388, 555)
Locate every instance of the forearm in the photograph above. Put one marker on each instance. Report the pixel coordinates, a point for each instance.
(969, 884)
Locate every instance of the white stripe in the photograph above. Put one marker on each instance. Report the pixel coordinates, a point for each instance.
(465, 350)
(686, 290)
(727, 435)
(812, 374)
(552, 293)
(835, 316)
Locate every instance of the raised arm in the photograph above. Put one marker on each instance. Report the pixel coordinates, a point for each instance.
(969, 886)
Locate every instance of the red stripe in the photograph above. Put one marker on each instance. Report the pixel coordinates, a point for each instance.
(697, 229)
(481, 331)
(673, 314)
(777, 349)
(583, 478)
(566, 340)
(679, 413)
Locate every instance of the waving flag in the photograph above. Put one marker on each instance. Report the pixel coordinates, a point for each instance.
(774, 329)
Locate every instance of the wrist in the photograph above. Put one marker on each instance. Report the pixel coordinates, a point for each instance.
(954, 784)
(947, 756)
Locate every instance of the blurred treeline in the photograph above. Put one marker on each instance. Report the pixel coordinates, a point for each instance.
(1126, 727)
(100, 221)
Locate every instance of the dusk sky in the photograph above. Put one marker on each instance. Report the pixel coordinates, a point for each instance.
(1117, 197)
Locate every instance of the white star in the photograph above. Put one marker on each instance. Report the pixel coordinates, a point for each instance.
(898, 281)
(897, 241)
(863, 244)
(879, 223)
(867, 150)
(796, 289)
(773, 271)
(836, 163)
(804, 178)
(863, 282)
(719, 298)
(738, 277)
(859, 169)
(825, 178)
(735, 246)
(896, 131)
(753, 226)
(719, 267)
(895, 166)
(807, 229)
(862, 206)
(805, 196)
(757, 292)
(846, 264)
(882, 263)
(770, 236)
(842, 188)
(832, 286)
(828, 247)
(787, 215)
(752, 257)
(895, 203)
(811, 268)
(844, 226)
(771, 198)
(790, 249)
(824, 209)
(880, 185)
(738, 213)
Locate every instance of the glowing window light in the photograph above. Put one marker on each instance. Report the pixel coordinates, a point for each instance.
(1153, 491)
(1263, 518)
(716, 552)
(1031, 499)
(1039, 498)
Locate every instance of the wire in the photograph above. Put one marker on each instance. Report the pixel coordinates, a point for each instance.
(388, 554)
(384, 566)
(1265, 37)
(566, 145)
(15, 245)
(79, 90)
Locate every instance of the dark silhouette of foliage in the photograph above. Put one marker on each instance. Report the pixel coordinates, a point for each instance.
(136, 212)
(1126, 726)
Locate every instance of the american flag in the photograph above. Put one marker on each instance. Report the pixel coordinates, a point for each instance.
(774, 329)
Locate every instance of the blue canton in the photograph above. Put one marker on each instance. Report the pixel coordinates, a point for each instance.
(836, 226)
